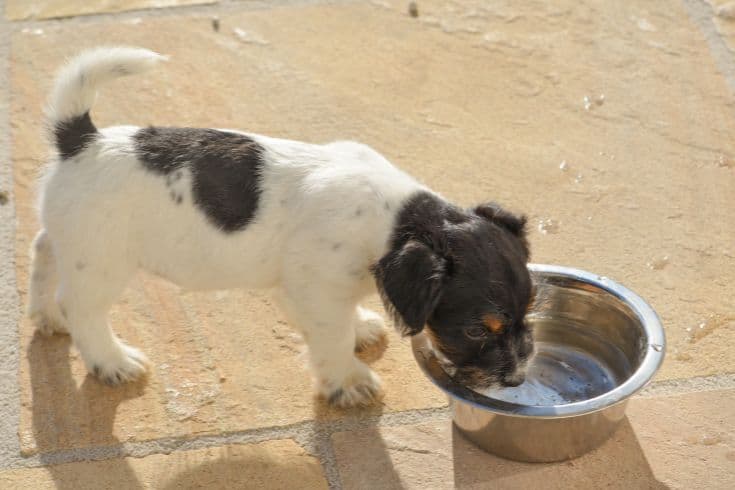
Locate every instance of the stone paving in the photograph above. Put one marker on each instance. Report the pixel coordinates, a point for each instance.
(611, 124)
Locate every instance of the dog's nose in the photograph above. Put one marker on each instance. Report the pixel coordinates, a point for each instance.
(511, 381)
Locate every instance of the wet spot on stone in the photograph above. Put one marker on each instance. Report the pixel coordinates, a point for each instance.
(80, 265)
(3, 198)
(179, 199)
(386, 205)
(358, 212)
(336, 246)
(215, 24)
(63, 311)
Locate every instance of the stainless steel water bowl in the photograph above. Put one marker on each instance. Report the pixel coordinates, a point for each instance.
(597, 343)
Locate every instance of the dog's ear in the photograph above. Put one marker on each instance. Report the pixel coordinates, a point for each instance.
(514, 224)
(410, 280)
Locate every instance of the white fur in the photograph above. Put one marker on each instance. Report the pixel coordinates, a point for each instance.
(76, 83)
(103, 216)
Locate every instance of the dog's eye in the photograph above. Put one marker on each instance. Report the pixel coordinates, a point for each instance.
(476, 332)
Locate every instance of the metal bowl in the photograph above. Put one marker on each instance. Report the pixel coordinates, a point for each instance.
(597, 343)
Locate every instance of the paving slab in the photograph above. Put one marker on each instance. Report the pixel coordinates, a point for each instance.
(278, 464)
(724, 19)
(669, 442)
(48, 9)
(479, 100)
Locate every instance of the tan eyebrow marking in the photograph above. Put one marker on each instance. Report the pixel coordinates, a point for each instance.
(493, 323)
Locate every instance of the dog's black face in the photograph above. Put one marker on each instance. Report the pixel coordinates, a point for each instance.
(462, 274)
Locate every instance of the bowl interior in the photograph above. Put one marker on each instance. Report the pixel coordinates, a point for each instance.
(588, 342)
(596, 344)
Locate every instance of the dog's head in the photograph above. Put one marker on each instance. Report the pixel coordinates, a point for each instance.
(461, 276)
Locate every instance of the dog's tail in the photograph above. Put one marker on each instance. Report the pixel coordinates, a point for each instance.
(75, 88)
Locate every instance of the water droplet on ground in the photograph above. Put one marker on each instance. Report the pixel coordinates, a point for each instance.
(644, 25)
(658, 263)
(726, 11)
(704, 439)
(384, 4)
(548, 225)
(708, 326)
(248, 37)
(563, 166)
(590, 102)
(724, 162)
(710, 439)
(578, 178)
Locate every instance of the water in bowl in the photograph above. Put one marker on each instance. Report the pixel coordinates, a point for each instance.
(564, 371)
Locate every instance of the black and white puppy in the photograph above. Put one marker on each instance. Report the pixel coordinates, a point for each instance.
(323, 225)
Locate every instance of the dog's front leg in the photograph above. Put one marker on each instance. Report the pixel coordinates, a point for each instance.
(327, 323)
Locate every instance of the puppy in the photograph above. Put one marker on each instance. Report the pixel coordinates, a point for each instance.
(323, 225)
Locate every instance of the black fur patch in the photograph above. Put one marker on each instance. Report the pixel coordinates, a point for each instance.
(225, 169)
(73, 135)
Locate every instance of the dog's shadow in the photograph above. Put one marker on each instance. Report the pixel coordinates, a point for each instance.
(66, 416)
(366, 421)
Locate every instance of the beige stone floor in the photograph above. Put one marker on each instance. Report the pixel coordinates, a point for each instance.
(480, 100)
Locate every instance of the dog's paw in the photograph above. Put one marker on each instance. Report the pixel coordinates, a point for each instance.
(48, 324)
(369, 330)
(128, 364)
(361, 388)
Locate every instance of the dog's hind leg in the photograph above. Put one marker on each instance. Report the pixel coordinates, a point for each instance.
(42, 307)
(87, 289)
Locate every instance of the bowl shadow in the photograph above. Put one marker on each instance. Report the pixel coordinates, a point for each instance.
(620, 462)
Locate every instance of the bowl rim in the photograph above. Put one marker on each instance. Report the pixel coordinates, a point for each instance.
(654, 356)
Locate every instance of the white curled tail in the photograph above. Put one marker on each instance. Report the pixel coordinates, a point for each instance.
(75, 88)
